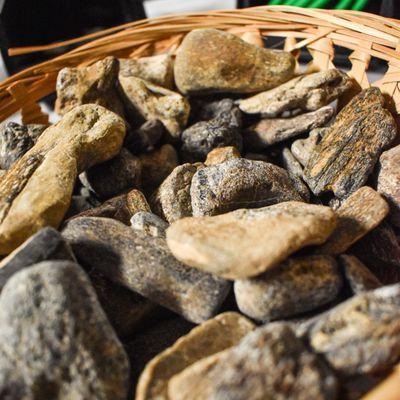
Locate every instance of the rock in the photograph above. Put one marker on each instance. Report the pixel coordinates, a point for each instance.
(226, 330)
(95, 84)
(245, 243)
(359, 277)
(221, 154)
(305, 92)
(388, 182)
(157, 165)
(360, 213)
(206, 110)
(302, 148)
(296, 286)
(53, 328)
(172, 199)
(268, 132)
(239, 183)
(80, 204)
(145, 137)
(144, 264)
(269, 363)
(47, 244)
(361, 335)
(347, 153)
(210, 61)
(157, 69)
(155, 102)
(112, 177)
(16, 140)
(37, 189)
(149, 223)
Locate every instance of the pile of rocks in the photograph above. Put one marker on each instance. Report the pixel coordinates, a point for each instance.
(212, 188)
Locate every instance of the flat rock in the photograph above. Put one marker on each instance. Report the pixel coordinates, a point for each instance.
(305, 92)
(270, 131)
(95, 84)
(346, 155)
(240, 183)
(358, 276)
(212, 336)
(53, 328)
(303, 148)
(37, 189)
(296, 286)
(144, 138)
(361, 335)
(210, 61)
(16, 140)
(221, 154)
(269, 363)
(157, 69)
(155, 102)
(245, 243)
(144, 264)
(115, 176)
(360, 213)
(149, 223)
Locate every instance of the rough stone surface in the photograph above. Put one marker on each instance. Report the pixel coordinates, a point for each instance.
(240, 183)
(144, 138)
(305, 92)
(37, 189)
(16, 140)
(172, 199)
(269, 363)
(210, 61)
(149, 223)
(155, 102)
(245, 243)
(294, 287)
(157, 69)
(144, 264)
(157, 165)
(95, 84)
(215, 335)
(270, 131)
(361, 335)
(54, 330)
(360, 213)
(303, 148)
(204, 110)
(221, 154)
(108, 179)
(358, 276)
(346, 155)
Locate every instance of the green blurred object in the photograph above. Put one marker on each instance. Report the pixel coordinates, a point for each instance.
(358, 5)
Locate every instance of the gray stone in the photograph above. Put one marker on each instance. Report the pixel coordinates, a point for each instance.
(149, 223)
(144, 138)
(54, 330)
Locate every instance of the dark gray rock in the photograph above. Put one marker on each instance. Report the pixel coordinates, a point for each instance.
(54, 330)
(149, 223)
(145, 137)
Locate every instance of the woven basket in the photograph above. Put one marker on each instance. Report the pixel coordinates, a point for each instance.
(319, 31)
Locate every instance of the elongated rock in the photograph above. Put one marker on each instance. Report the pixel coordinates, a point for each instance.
(360, 213)
(53, 328)
(144, 264)
(214, 335)
(267, 132)
(210, 61)
(269, 363)
(296, 286)
(347, 153)
(37, 189)
(240, 183)
(245, 243)
(307, 92)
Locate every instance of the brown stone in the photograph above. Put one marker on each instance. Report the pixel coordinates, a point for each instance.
(346, 155)
(212, 336)
(245, 243)
(37, 189)
(210, 61)
(302, 148)
(360, 213)
(307, 92)
(221, 154)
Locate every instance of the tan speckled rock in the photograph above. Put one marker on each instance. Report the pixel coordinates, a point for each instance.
(155, 102)
(302, 148)
(37, 189)
(307, 92)
(245, 243)
(210, 60)
(221, 154)
(214, 335)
